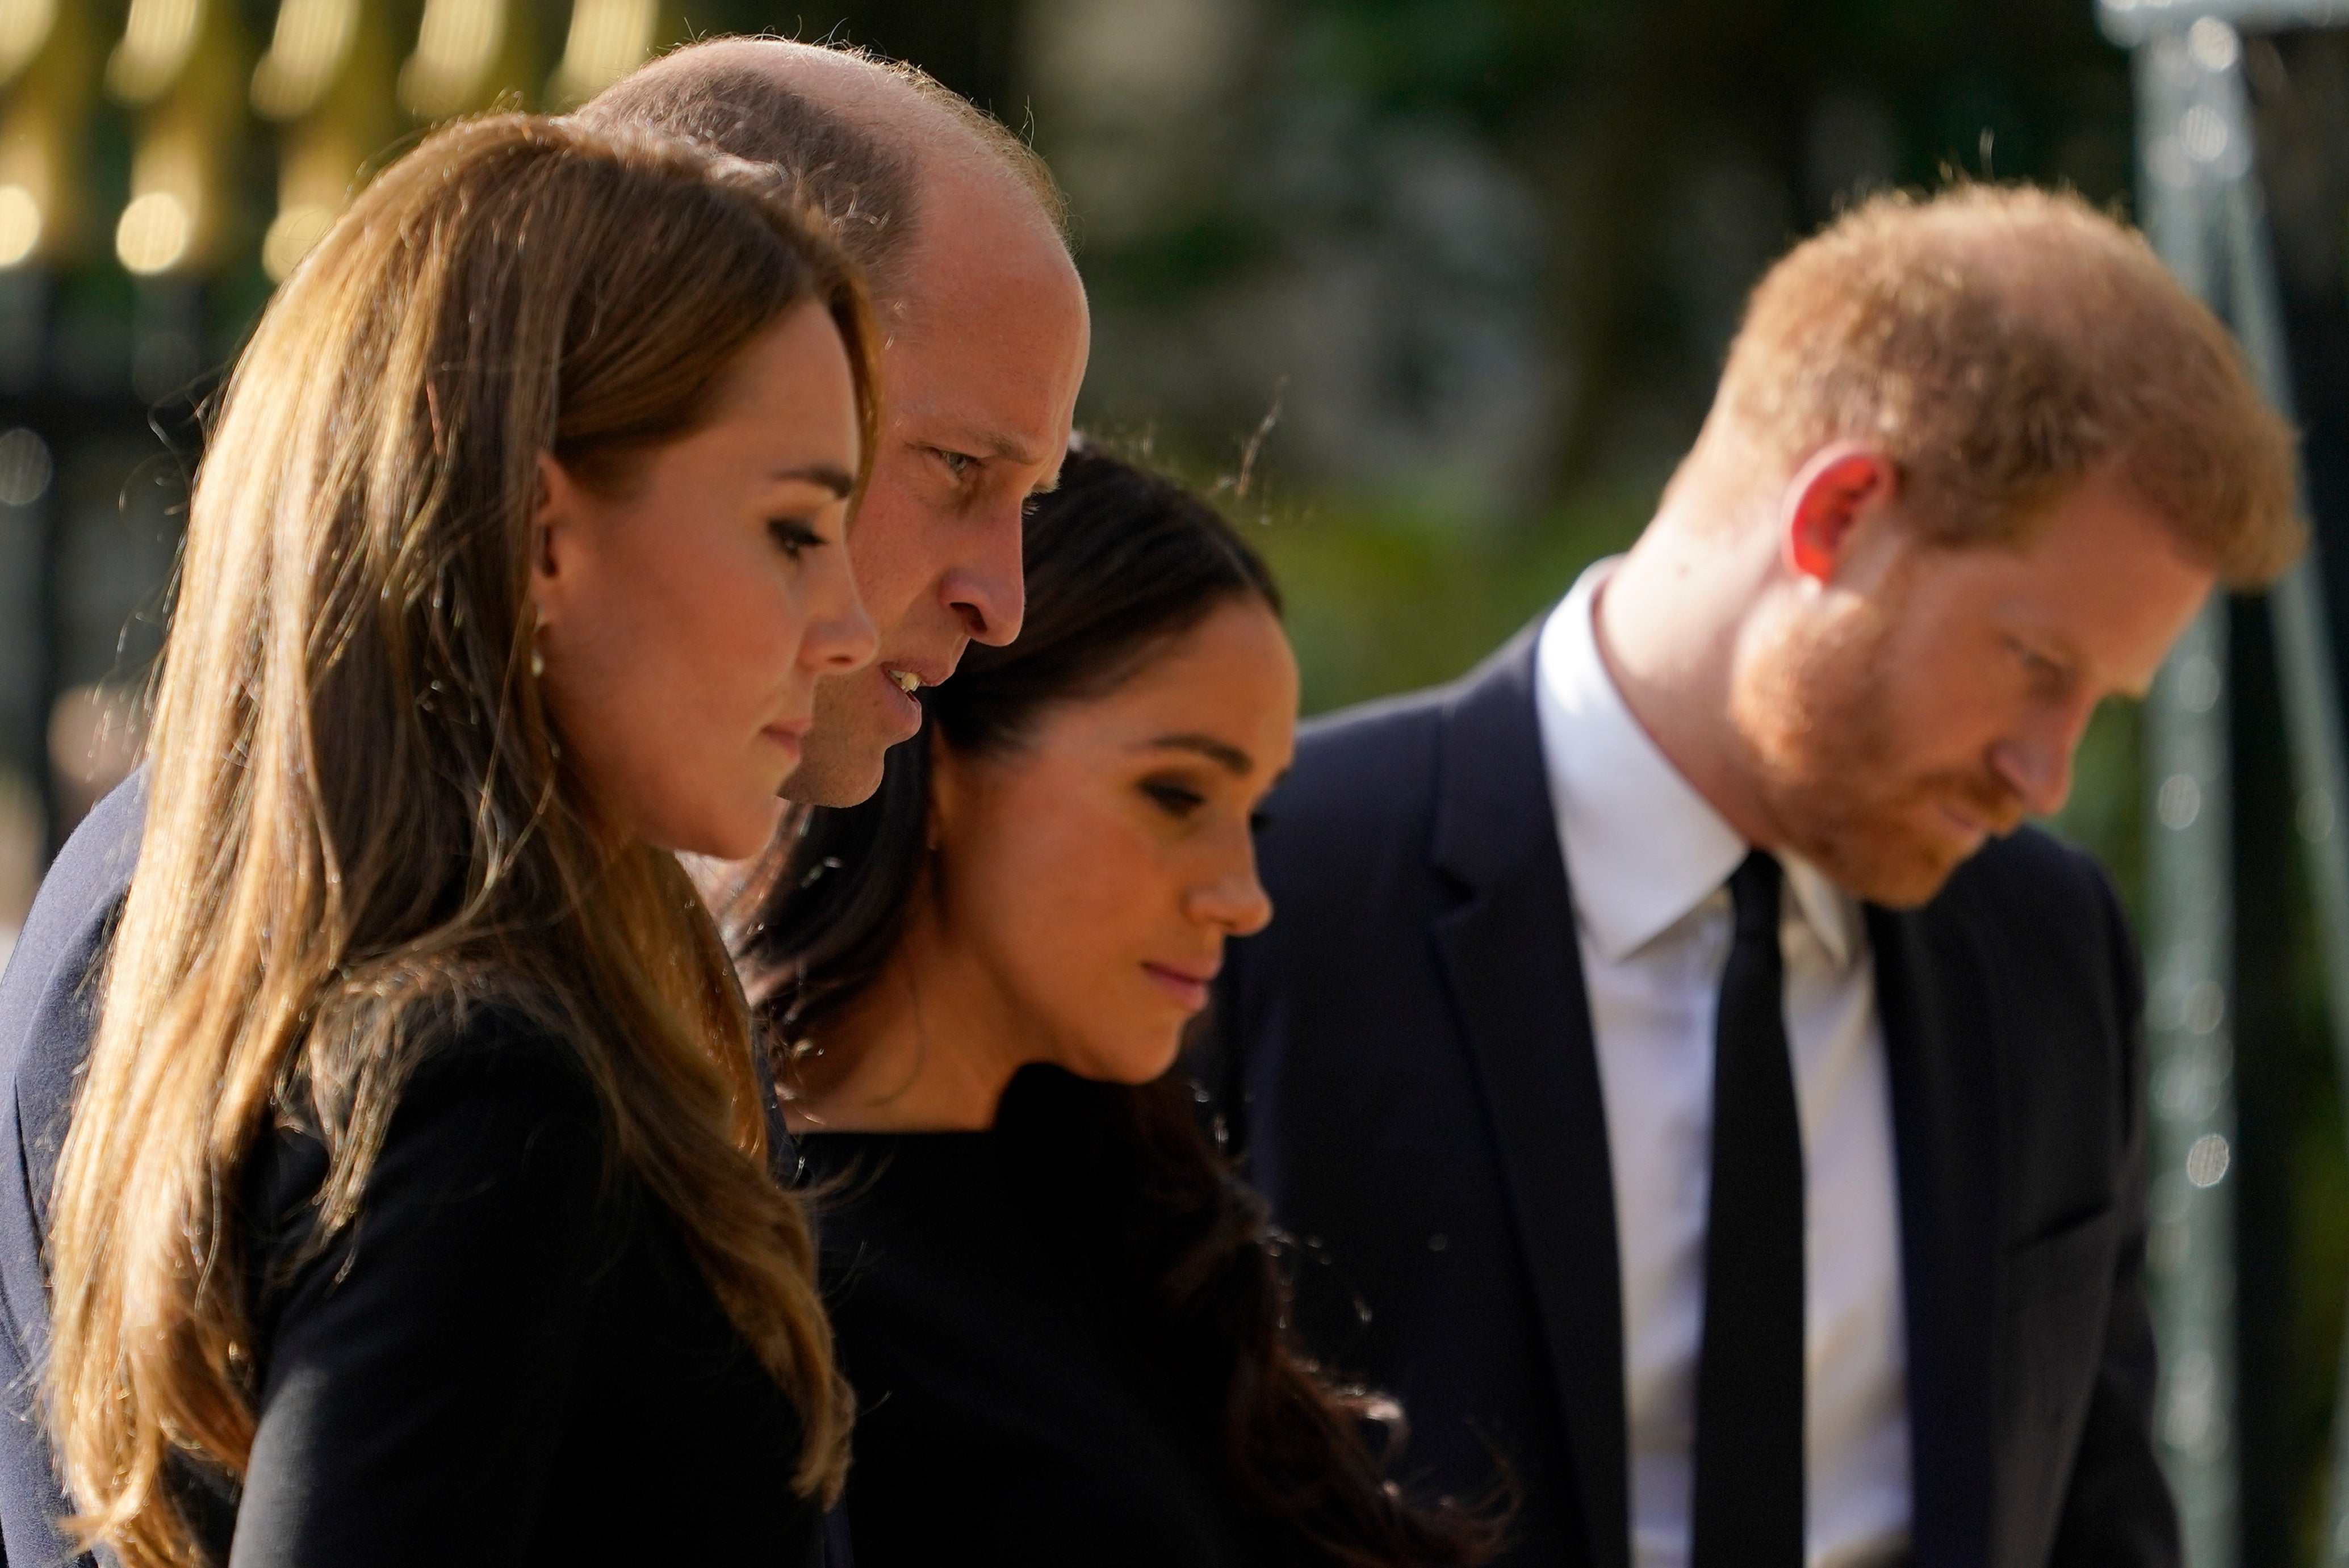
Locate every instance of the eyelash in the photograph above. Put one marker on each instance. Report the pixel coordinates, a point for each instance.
(1179, 803)
(958, 464)
(1173, 800)
(794, 538)
(2040, 668)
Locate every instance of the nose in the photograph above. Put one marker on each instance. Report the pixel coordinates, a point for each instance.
(2037, 764)
(839, 636)
(1232, 898)
(987, 588)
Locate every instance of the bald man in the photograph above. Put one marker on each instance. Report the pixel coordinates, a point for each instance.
(985, 333)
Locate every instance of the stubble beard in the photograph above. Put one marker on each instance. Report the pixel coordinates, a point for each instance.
(841, 760)
(1818, 722)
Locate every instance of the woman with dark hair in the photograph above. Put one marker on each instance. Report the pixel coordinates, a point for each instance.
(1061, 1311)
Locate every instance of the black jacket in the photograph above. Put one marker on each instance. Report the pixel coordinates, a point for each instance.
(638, 1400)
(47, 1010)
(1405, 1060)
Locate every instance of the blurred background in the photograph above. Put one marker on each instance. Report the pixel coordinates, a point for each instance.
(1432, 293)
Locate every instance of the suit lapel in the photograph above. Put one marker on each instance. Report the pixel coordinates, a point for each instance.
(1509, 954)
(1937, 1042)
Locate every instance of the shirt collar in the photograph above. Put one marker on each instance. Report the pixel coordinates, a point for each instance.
(1642, 847)
(1833, 915)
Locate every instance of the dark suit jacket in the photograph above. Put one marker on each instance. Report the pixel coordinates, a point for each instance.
(1404, 1061)
(47, 1007)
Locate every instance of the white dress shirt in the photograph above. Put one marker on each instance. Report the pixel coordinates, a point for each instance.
(1649, 861)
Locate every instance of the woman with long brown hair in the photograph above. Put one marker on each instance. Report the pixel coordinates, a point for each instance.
(417, 1205)
(1062, 1311)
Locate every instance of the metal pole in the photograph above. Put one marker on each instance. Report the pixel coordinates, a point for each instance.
(2304, 661)
(2205, 213)
(2190, 936)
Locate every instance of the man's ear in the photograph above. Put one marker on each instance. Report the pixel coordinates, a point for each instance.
(1826, 502)
(554, 514)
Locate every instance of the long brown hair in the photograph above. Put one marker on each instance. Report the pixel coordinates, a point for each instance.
(1119, 563)
(359, 820)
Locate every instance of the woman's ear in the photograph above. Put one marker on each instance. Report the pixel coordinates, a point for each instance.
(949, 788)
(554, 518)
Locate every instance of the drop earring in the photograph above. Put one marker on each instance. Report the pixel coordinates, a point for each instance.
(537, 653)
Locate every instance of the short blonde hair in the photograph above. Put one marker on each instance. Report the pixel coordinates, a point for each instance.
(2001, 344)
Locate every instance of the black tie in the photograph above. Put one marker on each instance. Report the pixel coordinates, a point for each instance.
(1748, 1512)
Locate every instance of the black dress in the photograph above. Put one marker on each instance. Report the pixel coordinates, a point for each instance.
(509, 1358)
(1007, 1413)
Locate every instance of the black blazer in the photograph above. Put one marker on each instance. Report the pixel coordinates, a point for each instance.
(48, 1014)
(1404, 1058)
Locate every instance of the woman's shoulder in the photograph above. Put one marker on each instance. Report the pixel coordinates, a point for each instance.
(506, 1045)
(914, 1206)
(491, 1103)
(498, 1088)
(863, 1182)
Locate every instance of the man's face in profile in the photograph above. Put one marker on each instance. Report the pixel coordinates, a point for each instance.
(979, 375)
(1927, 698)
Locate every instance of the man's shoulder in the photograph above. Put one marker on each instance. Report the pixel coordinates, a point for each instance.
(2041, 918)
(1366, 769)
(73, 908)
(2031, 881)
(1385, 750)
(1338, 740)
(48, 994)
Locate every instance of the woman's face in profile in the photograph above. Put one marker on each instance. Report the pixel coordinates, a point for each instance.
(1092, 871)
(686, 620)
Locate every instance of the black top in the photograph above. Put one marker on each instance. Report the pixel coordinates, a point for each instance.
(509, 1358)
(1005, 1406)
(48, 998)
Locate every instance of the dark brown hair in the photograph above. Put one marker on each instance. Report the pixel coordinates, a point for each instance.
(1120, 562)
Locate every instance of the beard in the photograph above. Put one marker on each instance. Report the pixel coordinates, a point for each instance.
(1821, 726)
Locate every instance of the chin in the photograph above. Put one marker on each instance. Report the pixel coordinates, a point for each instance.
(1898, 872)
(1134, 1062)
(842, 765)
(822, 783)
(739, 836)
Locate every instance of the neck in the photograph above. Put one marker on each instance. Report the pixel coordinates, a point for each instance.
(1668, 621)
(929, 1047)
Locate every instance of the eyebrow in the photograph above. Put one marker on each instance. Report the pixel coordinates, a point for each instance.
(1223, 753)
(837, 480)
(996, 445)
(1010, 448)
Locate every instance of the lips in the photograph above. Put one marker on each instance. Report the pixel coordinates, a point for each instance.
(1967, 825)
(1186, 985)
(910, 675)
(790, 736)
